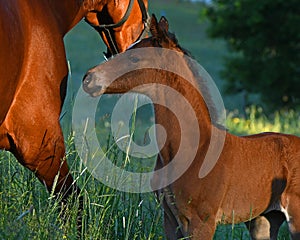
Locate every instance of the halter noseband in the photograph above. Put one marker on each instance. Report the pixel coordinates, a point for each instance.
(107, 27)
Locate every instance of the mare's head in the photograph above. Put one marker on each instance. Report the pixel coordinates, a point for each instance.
(144, 54)
(120, 23)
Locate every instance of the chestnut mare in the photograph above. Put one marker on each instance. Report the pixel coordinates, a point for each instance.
(34, 76)
(254, 176)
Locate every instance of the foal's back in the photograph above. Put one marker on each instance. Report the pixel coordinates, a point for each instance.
(263, 168)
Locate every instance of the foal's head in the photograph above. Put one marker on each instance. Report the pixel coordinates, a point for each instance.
(160, 37)
(147, 52)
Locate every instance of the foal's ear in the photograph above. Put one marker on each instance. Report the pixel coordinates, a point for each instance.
(154, 26)
(163, 24)
(159, 30)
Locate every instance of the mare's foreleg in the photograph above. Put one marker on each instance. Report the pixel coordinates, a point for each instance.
(41, 149)
(165, 197)
(44, 155)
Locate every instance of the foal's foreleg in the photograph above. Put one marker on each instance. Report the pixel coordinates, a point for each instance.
(171, 226)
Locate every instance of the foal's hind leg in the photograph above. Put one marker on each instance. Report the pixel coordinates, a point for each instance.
(259, 228)
(293, 215)
(266, 226)
(275, 218)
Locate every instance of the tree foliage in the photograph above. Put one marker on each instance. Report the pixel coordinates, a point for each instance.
(264, 39)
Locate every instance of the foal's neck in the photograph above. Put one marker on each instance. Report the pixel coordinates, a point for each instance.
(188, 96)
(171, 107)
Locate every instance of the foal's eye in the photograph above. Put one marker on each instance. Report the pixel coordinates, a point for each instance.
(134, 59)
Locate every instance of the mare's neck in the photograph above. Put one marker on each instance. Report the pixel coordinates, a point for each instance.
(67, 13)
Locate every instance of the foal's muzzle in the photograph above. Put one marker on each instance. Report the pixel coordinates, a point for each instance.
(89, 84)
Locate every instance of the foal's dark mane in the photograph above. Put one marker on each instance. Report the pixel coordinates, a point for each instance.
(174, 39)
(202, 85)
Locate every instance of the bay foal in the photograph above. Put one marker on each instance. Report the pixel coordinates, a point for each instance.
(254, 176)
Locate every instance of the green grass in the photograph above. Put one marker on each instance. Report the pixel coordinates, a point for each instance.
(28, 212)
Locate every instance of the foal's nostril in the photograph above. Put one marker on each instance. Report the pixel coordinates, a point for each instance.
(87, 78)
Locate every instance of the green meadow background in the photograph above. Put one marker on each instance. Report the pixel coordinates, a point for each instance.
(27, 211)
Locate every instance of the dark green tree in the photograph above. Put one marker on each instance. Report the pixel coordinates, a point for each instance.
(263, 37)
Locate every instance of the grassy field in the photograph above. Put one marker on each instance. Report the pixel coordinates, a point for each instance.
(27, 211)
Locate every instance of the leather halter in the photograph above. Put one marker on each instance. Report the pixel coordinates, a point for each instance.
(106, 28)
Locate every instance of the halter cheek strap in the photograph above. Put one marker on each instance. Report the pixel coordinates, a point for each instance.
(145, 18)
(118, 24)
(106, 28)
